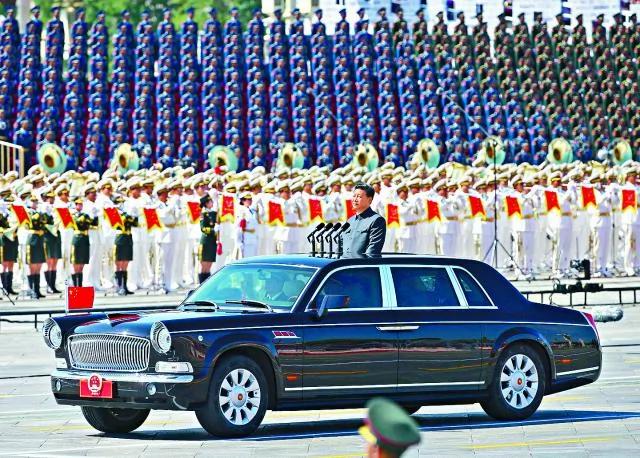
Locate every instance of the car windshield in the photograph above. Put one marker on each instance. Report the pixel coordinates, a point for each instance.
(275, 285)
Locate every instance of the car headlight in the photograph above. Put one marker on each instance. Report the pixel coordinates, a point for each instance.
(160, 338)
(52, 334)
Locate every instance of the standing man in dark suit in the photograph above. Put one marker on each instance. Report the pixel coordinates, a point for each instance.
(367, 231)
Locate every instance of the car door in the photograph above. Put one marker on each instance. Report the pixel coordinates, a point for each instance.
(350, 350)
(440, 344)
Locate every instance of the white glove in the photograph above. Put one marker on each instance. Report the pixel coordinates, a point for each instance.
(95, 212)
(4, 208)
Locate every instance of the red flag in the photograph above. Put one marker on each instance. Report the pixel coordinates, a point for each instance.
(228, 208)
(65, 217)
(276, 214)
(152, 218)
(21, 213)
(393, 215)
(195, 210)
(348, 207)
(114, 217)
(513, 207)
(476, 206)
(588, 197)
(551, 198)
(629, 200)
(79, 298)
(315, 210)
(433, 210)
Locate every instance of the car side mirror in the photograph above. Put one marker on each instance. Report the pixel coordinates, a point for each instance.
(330, 302)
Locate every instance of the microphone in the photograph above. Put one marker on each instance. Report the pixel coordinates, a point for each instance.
(326, 228)
(343, 229)
(333, 229)
(315, 231)
(338, 237)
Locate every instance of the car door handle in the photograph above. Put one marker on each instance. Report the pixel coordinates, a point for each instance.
(398, 328)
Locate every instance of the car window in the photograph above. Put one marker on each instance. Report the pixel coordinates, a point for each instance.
(475, 296)
(278, 286)
(423, 287)
(361, 285)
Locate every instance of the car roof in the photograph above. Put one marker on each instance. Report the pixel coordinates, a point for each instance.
(307, 260)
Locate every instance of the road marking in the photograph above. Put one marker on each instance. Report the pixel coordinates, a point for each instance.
(534, 443)
(4, 396)
(66, 450)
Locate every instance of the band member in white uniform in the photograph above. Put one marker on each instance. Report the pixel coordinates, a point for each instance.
(246, 238)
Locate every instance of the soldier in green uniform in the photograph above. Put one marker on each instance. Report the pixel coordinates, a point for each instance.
(124, 251)
(388, 429)
(8, 243)
(80, 242)
(35, 247)
(52, 243)
(208, 245)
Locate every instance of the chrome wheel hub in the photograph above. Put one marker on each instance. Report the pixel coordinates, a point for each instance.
(239, 397)
(519, 381)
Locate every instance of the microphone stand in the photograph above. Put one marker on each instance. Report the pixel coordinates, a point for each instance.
(327, 237)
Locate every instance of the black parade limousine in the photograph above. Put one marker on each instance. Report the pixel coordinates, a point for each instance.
(303, 332)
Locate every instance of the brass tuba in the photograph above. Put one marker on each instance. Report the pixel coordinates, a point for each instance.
(52, 158)
(125, 158)
(427, 154)
(366, 156)
(223, 156)
(491, 151)
(560, 151)
(621, 152)
(290, 157)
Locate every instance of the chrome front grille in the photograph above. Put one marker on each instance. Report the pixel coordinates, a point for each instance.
(109, 352)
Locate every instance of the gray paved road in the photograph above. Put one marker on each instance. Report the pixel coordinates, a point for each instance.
(602, 419)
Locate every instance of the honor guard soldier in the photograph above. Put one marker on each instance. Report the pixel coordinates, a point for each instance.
(80, 242)
(388, 429)
(124, 251)
(208, 243)
(8, 241)
(35, 247)
(52, 241)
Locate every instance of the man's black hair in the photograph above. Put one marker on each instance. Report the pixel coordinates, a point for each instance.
(368, 190)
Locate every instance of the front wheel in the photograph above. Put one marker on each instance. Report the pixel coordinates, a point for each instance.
(238, 398)
(518, 384)
(115, 420)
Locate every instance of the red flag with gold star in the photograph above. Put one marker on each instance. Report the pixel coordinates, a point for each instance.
(275, 215)
(114, 217)
(228, 208)
(195, 210)
(476, 206)
(629, 200)
(152, 218)
(588, 197)
(393, 215)
(21, 214)
(315, 211)
(433, 211)
(551, 199)
(513, 208)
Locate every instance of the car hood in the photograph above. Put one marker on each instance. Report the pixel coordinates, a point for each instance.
(138, 323)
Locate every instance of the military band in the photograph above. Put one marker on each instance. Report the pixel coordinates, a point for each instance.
(539, 218)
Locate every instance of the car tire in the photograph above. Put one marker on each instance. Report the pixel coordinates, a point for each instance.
(115, 420)
(518, 384)
(238, 398)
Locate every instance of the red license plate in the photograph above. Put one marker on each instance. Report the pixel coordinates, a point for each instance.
(96, 387)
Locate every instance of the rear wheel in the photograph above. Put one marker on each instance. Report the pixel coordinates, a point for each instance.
(518, 384)
(238, 398)
(115, 420)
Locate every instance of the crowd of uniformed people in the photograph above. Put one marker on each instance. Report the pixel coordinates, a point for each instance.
(176, 91)
(166, 229)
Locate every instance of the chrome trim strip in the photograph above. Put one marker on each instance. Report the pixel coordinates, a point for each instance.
(462, 299)
(397, 328)
(128, 377)
(376, 324)
(493, 305)
(401, 385)
(578, 371)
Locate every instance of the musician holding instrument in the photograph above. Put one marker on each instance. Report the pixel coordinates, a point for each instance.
(35, 246)
(52, 241)
(80, 245)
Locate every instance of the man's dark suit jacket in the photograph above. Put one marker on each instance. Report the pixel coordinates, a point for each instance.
(365, 236)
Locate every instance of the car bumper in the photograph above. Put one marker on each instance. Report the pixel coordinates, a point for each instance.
(131, 390)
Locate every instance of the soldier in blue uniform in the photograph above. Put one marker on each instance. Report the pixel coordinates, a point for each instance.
(318, 28)
(35, 23)
(92, 163)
